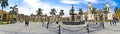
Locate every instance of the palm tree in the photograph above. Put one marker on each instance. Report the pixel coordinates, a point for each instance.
(80, 12)
(116, 10)
(13, 12)
(94, 11)
(4, 3)
(61, 13)
(53, 11)
(39, 12)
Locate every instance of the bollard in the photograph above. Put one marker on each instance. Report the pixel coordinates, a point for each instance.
(87, 28)
(42, 23)
(59, 32)
(103, 25)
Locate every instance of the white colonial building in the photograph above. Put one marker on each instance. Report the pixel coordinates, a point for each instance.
(98, 16)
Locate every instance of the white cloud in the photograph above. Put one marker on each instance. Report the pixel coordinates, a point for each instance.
(35, 4)
(23, 11)
(78, 1)
(70, 2)
(113, 3)
(86, 1)
(91, 0)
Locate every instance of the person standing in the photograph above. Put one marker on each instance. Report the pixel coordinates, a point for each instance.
(48, 22)
(114, 21)
(57, 22)
(42, 22)
(26, 22)
(111, 22)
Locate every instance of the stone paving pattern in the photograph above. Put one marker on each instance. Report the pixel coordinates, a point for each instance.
(37, 28)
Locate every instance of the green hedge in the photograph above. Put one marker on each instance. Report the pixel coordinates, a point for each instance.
(3, 23)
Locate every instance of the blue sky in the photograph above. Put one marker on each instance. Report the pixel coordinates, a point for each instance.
(28, 7)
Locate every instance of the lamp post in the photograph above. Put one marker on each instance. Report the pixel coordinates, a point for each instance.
(29, 16)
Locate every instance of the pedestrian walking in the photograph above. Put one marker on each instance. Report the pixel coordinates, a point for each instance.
(117, 19)
(42, 23)
(111, 22)
(57, 22)
(114, 21)
(96, 22)
(26, 22)
(47, 24)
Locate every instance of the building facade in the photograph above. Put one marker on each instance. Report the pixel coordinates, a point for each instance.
(4, 16)
(100, 15)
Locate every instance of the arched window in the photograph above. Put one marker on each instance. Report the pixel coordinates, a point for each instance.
(4, 16)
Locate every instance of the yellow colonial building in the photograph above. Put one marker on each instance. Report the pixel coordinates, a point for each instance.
(118, 14)
(4, 16)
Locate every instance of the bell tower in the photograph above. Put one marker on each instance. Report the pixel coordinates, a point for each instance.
(107, 7)
(89, 7)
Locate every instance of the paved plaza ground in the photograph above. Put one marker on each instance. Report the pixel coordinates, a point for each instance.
(37, 28)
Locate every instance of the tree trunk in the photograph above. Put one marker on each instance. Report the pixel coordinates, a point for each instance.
(41, 19)
(2, 16)
(2, 8)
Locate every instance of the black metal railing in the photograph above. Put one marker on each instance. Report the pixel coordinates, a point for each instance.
(88, 28)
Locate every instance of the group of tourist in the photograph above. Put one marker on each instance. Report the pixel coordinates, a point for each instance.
(27, 22)
(114, 21)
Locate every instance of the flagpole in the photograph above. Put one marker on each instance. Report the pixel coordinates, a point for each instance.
(29, 14)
